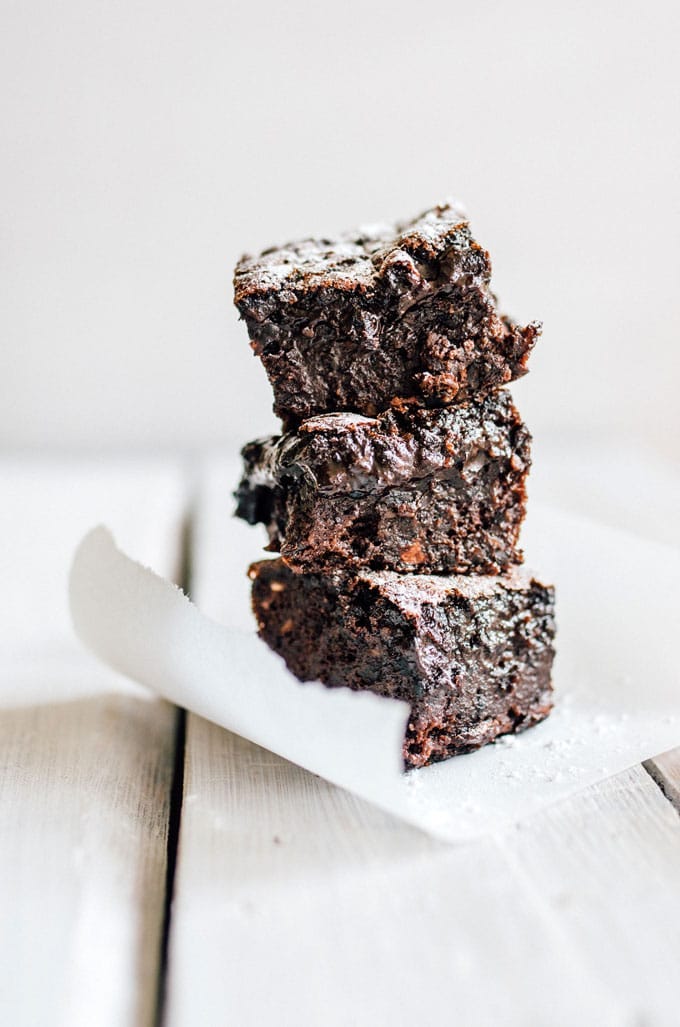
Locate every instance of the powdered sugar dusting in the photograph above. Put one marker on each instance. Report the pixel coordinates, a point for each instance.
(332, 421)
(348, 259)
(410, 591)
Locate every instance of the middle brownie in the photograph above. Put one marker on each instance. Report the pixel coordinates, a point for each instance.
(413, 490)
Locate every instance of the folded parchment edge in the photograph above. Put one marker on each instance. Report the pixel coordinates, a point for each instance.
(147, 628)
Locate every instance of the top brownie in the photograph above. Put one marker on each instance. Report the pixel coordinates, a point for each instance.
(387, 312)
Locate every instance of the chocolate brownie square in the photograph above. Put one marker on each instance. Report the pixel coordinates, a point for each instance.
(390, 311)
(472, 655)
(413, 490)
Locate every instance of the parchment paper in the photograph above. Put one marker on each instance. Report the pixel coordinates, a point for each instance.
(616, 678)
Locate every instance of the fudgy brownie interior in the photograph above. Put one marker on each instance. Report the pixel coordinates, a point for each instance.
(390, 311)
(414, 490)
(472, 655)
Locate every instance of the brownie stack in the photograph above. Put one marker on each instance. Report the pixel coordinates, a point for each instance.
(396, 493)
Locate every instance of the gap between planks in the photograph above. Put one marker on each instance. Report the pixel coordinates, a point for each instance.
(176, 790)
(174, 822)
(85, 771)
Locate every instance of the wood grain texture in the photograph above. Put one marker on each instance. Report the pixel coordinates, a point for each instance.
(607, 864)
(84, 782)
(84, 794)
(298, 904)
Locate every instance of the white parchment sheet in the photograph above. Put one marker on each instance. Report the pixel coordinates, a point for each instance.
(617, 677)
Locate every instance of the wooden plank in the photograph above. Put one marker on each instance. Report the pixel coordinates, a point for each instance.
(607, 862)
(85, 777)
(351, 917)
(296, 903)
(84, 790)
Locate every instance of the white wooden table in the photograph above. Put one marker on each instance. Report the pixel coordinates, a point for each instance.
(157, 869)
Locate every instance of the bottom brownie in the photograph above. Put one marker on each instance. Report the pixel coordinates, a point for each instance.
(472, 655)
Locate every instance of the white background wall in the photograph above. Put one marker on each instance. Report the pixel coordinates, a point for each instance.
(145, 145)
